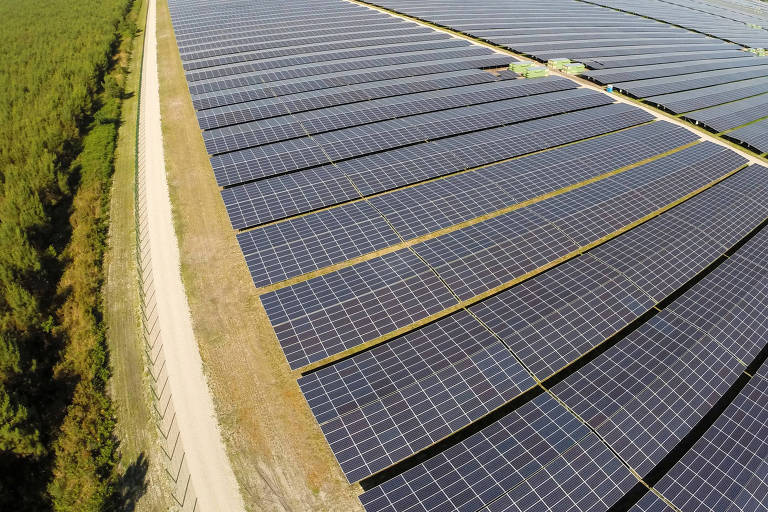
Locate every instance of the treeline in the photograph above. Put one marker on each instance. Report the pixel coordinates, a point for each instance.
(60, 97)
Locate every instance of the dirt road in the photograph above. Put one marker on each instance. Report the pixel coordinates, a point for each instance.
(212, 477)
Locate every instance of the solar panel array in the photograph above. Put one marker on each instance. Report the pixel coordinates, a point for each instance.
(503, 293)
(681, 55)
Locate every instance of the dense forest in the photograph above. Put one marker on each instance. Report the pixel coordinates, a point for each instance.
(60, 95)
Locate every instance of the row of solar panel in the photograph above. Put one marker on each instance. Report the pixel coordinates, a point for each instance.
(315, 122)
(477, 258)
(702, 17)
(307, 243)
(333, 147)
(343, 95)
(244, 26)
(726, 468)
(673, 68)
(439, 64)
(733, 104)
(392, 46)
(275, 253)
(541, 322)
(641, 397)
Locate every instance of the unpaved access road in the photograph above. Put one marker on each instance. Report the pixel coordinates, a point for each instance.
(212, 477)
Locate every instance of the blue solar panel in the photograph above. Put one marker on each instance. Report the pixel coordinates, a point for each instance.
(647, 392)
(435, 205)
(300, 153)
(370, 375)
(245, 62)
(393, 128)
(397, 168)
(382, 295)
(341, 95)
(486, 465)
(313, 83)
(480, 257)
(275, 198)
(240, 136)
(554, 318)
(286, 249)
(731, 115)
(709, 96)
(754, 135)
(727, 468)
(672, 69)
(220, 85)
(411, 418)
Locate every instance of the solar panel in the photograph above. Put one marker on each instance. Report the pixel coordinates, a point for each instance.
(284, 196)
(600, 208)
(370, 375)
(293, 72)
(341, 131)
(722, 51)
(730, 303)
(646, 393)
(407, 166)
(342, 95)
(673, 69)
(710, 96)
(480, 257)
(754, 135)
(249, 61)
(483, 467)
(650, 502)
(587, 477)
(733, 114)
(411, 418)
(382, 295)
(726, 469)
(312, 83)
(699, 16)
(402, 45)
(274, 198)
(656, 86)
(474, 194)
(296, 154)
(246, 40)
(665, 252)
(287, 249)
(629, 52)
(249, 44)
(277, 129)
(431, 206)
(565, 46)
(242, 29)
(189, 33)
(554, 318)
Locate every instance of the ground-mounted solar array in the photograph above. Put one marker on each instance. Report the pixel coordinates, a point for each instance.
(685, 56)
(500, 293)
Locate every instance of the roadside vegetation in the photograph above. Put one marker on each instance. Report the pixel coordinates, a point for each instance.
(61, 88)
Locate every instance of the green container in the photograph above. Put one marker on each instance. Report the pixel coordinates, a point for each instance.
(574, 68)
(558, 63)
(519, 67)
(536, 72)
